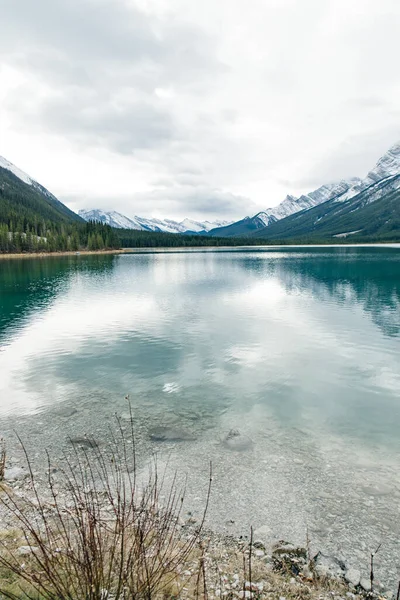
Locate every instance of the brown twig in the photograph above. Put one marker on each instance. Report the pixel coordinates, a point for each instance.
(250, 558)
(371, 575)
(3, 458)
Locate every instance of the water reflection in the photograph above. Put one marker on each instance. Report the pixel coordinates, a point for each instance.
(28, 286)
(293, 331)
(296, 348)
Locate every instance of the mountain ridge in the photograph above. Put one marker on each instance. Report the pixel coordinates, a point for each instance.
(287, 207)
(21, 193)
(387, 167)
(372, 213)
(334, 210)
(120, 221)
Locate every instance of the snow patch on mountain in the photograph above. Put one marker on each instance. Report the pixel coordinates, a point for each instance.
(5, 164)
(387, 168)
(291, 204)
(116, 219)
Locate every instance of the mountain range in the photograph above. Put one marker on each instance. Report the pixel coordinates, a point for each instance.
(368, 210)
(334, 210)
(360, 209)
(116, 219)
(265, 223)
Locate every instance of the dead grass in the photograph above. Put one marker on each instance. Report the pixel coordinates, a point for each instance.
(97, 532)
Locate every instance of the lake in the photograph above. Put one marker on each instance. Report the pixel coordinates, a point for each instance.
(280, 365)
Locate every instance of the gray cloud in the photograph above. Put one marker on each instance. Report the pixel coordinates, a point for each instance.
(104, 60)
(353, 158)
(172, 201)
(91, 121)
(177, 107)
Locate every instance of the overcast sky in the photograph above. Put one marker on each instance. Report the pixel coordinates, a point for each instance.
(197, 108)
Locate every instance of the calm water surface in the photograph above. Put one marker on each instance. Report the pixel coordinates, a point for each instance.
(297, 349)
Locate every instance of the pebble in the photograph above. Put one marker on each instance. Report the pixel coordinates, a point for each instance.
(15, 473)
(365, 584)
(86, 442)
(353, 576)
(262, 534)
(322, 570)
(237, 442)
(163, 433)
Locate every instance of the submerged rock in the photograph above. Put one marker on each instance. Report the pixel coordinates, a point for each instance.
(365, 584)
(164, 433)
(237, 442)
(377, 490)
(14, 473)
(262, 536)
(85, 442)
(353, 576)
(66, 411)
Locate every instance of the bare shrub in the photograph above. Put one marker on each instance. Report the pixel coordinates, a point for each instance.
(97, 532)
(3, 458)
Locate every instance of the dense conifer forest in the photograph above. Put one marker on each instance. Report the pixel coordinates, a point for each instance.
(33, 220)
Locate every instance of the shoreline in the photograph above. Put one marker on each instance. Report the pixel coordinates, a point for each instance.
(152, 249)
(63, 253)
(280, 568)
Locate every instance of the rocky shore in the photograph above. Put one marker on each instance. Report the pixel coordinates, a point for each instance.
(227, 566)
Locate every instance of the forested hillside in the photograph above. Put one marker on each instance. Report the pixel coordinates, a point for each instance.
(33, 220)
(373, 215)
(22, 203)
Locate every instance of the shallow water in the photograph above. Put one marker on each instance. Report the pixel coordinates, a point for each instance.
(296, 349)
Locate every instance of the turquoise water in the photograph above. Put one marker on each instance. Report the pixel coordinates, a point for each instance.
(296, 349)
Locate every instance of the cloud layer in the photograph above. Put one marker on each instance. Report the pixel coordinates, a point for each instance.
(175, 108)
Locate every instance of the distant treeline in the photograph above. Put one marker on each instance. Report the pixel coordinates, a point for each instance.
(130, 238)
(45, 236)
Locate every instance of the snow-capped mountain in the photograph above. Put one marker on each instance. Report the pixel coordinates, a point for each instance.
(50, 198)
(387, 167)
(116, 219)
(6, 164)
(287, 207)
(369, 210)
(385, 172)
(291, 204)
